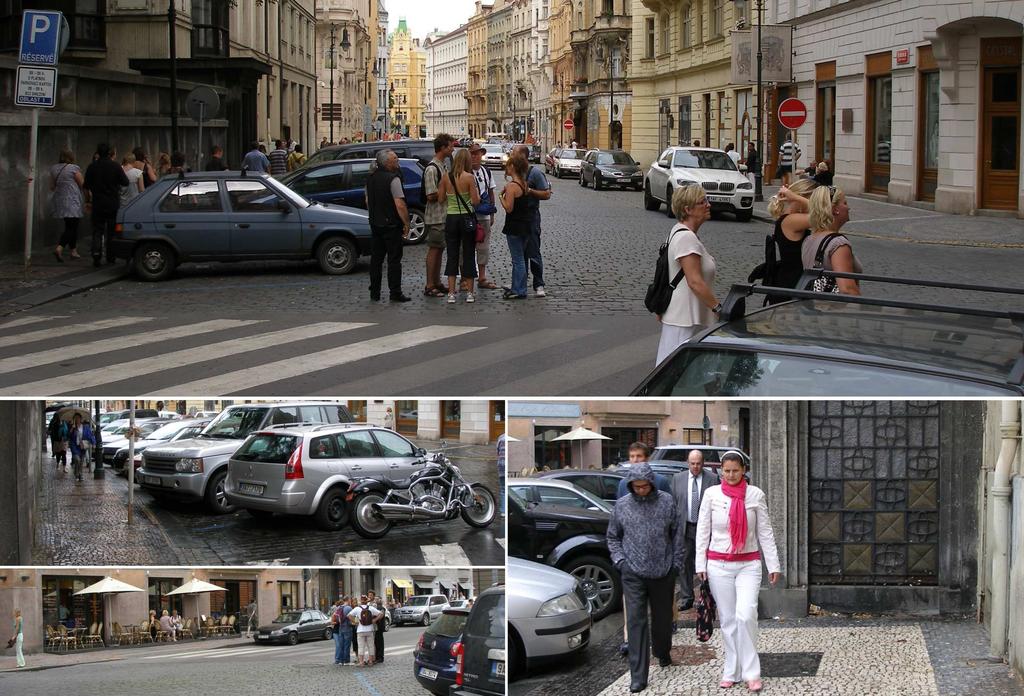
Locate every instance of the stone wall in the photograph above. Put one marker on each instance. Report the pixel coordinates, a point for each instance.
(21, 440)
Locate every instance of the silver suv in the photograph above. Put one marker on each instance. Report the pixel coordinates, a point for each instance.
(306, 470)
(195, 469)
(421, 609)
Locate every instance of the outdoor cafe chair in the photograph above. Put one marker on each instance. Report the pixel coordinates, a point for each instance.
(231, 624)
(66, 639)
(144, 633)
(186, 630)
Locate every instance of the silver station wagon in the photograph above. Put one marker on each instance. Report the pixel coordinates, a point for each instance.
(307, 470)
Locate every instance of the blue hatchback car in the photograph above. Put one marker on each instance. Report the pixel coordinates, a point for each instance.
(434, 662)
(343, 182)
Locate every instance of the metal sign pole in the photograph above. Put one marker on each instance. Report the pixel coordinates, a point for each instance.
(131, 459)
(199, 145)
(30, 196)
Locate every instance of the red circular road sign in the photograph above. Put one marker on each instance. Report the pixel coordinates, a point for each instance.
(568, 124)
(792, 113)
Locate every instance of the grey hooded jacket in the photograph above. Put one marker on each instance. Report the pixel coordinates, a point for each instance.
(643, 533)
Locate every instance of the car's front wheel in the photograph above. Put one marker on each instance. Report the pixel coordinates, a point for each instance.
(600, 582)
(417, 227)
(154, 261)
(216, 499)
(337, 256)
(293, 638)
(425, 621)
(597, 181)
(650, 202)
(668, 203)
(583, 180)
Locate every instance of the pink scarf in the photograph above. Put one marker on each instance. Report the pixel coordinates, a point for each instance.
(737, 514)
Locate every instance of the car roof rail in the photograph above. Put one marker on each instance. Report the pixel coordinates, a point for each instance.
(296, 424)
(810, 274)
(328, 426)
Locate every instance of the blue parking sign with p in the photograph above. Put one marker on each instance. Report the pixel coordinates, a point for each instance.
(40, 37)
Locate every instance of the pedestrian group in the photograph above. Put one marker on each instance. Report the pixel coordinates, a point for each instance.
(358, 628)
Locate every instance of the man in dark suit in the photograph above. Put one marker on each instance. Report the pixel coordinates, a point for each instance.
(688, 490)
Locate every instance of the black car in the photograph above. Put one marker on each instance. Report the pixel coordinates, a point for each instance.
(295, 625)
(572, 539)
(604, 168)
(604, 484)
(423, 150)
(844, 346)
(480, 657)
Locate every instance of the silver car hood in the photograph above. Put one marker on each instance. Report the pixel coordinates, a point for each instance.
(702, 175)
(531, 584)
(196, 447)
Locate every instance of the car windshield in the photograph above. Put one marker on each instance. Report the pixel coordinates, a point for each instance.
(147, 429)
(297, 199)
(116, 429)
(708, 373)
(703, 159)
(614, 158)
(417, 601)
(288, 617)
(449, 625)
(494, 149)
(572, 154)
(235, 423)
(270, 448)
(320, 156)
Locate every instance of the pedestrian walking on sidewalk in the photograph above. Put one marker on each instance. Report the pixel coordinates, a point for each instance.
(518, 224)
(732, 525)
(353, 620)
(753, 162)
(537, 189)
(365, 615)
(688, 489)
(296, 158)
(250, 613)
(460, 192)
(103, 181)
(18, 638)
(825, 247)
(646, 548)
(278, 159)
(389, 225)
(342, 629)
(255, 160)
(78, 437)
(389, 418)
(694, 306)
(789, 153)
(378, 631)
(216, 161)
(58, 432)
(639, 453)
(66, 182)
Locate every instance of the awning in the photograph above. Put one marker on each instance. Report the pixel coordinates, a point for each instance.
(404, 584)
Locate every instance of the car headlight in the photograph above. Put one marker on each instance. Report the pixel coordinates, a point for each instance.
(746, 186)
(560, 605)
(606, 172)
(684, 182)
(189, 465)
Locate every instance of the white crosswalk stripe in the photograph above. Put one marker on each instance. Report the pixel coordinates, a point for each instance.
(501, 542)
(97, 376)
(357, 558)
(233, 382)
(63, 331)
(25, 321)
(86, 351)
(450, 555)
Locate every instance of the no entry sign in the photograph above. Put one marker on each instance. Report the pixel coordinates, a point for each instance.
(568, 124)
(792, 113)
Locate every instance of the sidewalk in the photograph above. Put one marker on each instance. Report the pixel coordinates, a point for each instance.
(37, 662)
(47, 279)
(880, 220)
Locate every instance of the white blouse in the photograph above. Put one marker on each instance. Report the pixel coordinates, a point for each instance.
(713, 527)
(686, 309)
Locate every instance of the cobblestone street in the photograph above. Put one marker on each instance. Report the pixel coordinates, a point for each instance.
(824, 656)
(86, 524)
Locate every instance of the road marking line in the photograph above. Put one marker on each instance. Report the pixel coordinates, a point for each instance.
(238, 380)
(86, 352)
(64, 331)
(450, 555)
(197, 651)
(370, 688)
(95, 377)
(399, 651)
(24, 321)
(501, 542)
(238, 652)
(357, 558)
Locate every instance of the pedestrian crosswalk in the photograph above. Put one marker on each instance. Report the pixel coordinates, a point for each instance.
(450, 555)
(50, 355)
(201, 651)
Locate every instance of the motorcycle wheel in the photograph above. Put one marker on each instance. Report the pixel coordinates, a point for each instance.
(365, 521)
(481, 514)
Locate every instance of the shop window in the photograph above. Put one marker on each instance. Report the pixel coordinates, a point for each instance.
(547, 452)
(159, 599)
(616, 450)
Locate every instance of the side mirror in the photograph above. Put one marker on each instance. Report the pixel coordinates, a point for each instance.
(284, 207)
(421, 452)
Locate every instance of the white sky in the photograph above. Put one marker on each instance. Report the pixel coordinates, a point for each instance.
(423, 16)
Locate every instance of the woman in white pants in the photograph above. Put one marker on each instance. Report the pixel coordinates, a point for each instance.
(365, 617)
(732, 523)
(18, 638)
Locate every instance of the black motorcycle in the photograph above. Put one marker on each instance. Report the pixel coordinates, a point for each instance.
(436, 492)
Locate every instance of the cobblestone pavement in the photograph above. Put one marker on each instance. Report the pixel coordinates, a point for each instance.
(826, 656)
(590, 335)
(84, 523)
(223, 670)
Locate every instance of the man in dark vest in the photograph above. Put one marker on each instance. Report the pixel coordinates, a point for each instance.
(103, 181)
(389, 224)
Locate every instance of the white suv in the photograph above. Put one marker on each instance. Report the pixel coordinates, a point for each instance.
(421, 609)
(726, 188)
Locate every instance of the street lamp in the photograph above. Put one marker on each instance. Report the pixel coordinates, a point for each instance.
(387, 104)
(333, 53)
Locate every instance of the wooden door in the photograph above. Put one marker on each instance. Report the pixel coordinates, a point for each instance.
(451, 419)
(496, 420)
(1000, 127)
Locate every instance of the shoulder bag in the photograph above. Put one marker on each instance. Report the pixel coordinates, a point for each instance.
(469, 222)
(823, 283)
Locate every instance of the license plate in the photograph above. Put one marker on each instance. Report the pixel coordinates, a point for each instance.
(428, 673)
(250, 489)
(152, 480)
(719, 199)
(498, 669)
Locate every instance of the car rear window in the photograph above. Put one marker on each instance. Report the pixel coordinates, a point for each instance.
(740, 373)
(270, 448)
(488, 616)
(449, 625)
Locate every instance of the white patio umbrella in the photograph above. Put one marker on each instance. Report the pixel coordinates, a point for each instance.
(197, 587)
(106, 587)
(579, 435)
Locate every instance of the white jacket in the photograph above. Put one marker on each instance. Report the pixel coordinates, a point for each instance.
(713, 528)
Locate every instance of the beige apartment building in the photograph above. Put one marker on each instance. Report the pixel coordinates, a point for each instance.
(407, 79)
(499, 50)
(476, 70)
(346, 33)
(560, 64)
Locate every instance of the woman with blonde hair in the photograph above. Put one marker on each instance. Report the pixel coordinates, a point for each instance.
(693, 306)
(825, 247)
(19, 638)
(163, 164)
(460, 224)
(66, 182)
(783, 264)
(136, 185)
(733, 531)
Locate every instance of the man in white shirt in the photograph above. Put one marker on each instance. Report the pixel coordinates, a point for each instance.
(688, 490)
(365, 619)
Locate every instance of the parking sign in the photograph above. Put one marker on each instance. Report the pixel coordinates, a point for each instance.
(37, 86)
(40, 37)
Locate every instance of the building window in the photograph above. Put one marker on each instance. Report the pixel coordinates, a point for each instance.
(929, 135)
(608, 7)
(210, 28)
(717, 18)
(547, 452)
(288, 593)
(158, 598)
(686, 28)
(879, 124)
(616, 450)
(685, 105)
(85, 17)
(649, 37)
(664, 23)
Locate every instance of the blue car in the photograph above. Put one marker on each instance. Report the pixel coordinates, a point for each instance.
(234, 216)
(343, 182)
(434, 660)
